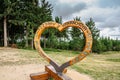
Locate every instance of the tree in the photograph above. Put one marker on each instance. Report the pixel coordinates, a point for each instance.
(29, 15)
(58, 19)
(46, 15)
(63, 34)
(95, 32)
(77, 42)
(108, 43)
(1, 33)
(6, 9)
(23, 15)
(75, 32)
(116, 45)
(52, 41)
(63, 37)
(100, 46)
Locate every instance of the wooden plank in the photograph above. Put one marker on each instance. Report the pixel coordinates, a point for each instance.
(39, 76)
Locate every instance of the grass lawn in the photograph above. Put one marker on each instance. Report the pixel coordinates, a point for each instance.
(105, 66)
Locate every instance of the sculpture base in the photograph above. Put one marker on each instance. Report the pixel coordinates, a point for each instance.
(49, 73)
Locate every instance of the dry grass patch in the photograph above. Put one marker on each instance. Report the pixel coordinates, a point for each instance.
(105, 66)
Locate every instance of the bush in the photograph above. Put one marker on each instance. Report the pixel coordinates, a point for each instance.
(63, 45)
(52, 42)
(21, 44)
(76, 44)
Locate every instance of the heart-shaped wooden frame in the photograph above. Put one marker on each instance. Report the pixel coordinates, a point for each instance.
(61, 27)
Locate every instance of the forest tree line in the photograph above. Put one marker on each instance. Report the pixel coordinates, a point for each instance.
(19, 20)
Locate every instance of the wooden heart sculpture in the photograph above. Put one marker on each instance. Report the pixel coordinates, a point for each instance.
(61, 27)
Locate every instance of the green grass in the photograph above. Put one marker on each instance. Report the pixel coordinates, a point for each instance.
(114, 60)
(101, 67)
(105, 66)
(51, 49)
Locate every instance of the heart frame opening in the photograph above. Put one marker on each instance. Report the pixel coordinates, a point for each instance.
(61, 27)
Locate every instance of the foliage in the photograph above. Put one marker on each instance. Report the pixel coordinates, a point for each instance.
(77, 41)
(63, 34)
(46, 11)
(52, 41)
(24, 16)
(64, 45)
(5, 12)
(95, 31)
(76, 44)
(95, 34)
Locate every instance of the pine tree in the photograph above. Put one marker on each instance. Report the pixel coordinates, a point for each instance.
(46, 15)
(6, 8)
(95, 32)
(77, 42)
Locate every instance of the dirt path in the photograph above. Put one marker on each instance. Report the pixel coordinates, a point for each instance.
(22, 72)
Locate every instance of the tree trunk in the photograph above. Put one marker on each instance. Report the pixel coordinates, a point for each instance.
(26, 45)
(32, 44)
(44, 39)
(5, 32)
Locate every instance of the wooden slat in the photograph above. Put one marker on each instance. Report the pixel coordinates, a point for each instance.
(39, 76)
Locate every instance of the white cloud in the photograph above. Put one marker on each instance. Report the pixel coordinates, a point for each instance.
(106, 19)
(77, 1)
(105, 13)
(105, 32)
(108, 3)
(97, 13)
(112, 33)
(66, 10)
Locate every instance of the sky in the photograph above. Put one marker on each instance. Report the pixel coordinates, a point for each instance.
(105, 13)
